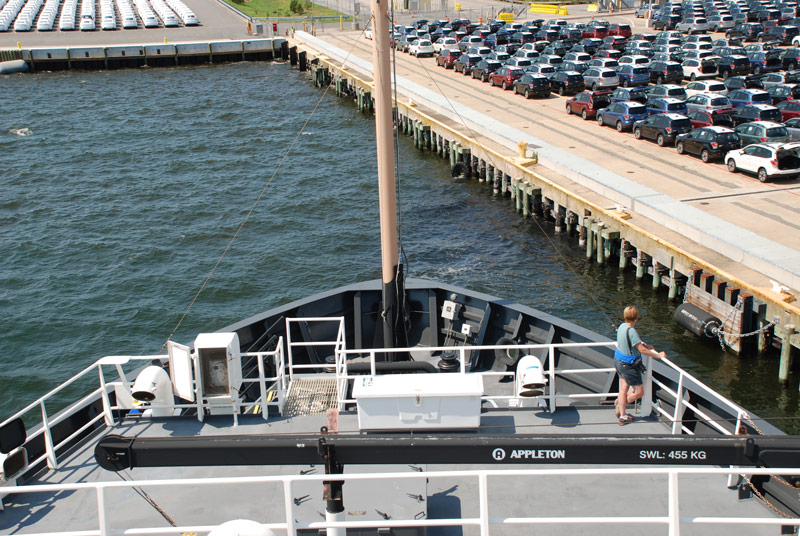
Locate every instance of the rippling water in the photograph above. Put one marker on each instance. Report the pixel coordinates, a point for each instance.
(121, 189)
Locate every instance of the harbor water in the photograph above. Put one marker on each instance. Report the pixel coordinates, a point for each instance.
(122, 189)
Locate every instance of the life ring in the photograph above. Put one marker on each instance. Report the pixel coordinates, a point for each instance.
(460, 170)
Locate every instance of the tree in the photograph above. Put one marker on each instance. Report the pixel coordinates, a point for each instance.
(296, 6)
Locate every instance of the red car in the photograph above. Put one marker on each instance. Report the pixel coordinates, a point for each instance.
(506, 76)
(587, 103)
(447, 57)
(622, 30)
(596, 29)
(703, 118)
(789, 109)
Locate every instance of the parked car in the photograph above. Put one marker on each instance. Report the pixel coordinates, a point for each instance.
(638, 94)
(622, 115)
(783, 34)
(443, 43)
(793, 126)
(662, 72)
(506, 76)
(635, 59)
(465, 63)
(784, 92)
(763, 62)
(761, 132)
(692, 25)
(663, 128)
(706, 86)
(791, 56)
(567, 82)
(665, 105)
(633, 75)
(717, 23)
(766, 160)
(532, 85)
(543, 69)
(743, 97)
(789, 109)
(748, 31)
(756, 112)
(447, 58)
(470, 41)
(708, 142)
(703, 118)
(623, 30)
(421, 48)
(694, 69)
(484, 69)
(708, 102)
(735, 65)
(600, 78)
(667, 90)
(587, 103)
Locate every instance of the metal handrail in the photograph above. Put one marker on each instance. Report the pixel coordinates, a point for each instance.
(671, 519)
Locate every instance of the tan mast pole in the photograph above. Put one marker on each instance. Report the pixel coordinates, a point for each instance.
(385, 144)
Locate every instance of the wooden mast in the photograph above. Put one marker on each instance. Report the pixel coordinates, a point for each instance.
(384, 134)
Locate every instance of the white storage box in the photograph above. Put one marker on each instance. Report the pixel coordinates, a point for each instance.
(419, 401)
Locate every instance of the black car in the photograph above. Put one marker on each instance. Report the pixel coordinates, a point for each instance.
(466, 62)
(532, 85)
(666, 22)
(484, 68)
(791, 58)
(663, 128)
(756, 112)
(664, 72)
(708, 142)
(590, 45)
(728, 66)
(564, 82)
(783, 34)
(783, 92)
(748, 31)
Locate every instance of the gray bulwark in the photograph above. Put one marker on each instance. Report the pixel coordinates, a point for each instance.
(749, 249)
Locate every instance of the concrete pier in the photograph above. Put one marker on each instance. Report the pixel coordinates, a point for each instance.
(670, 241)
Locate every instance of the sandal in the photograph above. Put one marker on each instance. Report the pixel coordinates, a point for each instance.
(625, 419)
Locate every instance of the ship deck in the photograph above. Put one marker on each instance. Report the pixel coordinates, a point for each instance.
(423, 496)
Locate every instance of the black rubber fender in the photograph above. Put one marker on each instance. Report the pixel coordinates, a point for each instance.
(460, 170)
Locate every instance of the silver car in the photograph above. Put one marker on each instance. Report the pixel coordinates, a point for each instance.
(691, 26)
(600, 78)
(707, 102)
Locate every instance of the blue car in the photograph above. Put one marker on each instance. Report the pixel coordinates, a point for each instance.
(743, 97)
(621, 114)
(665, 105)
(633, 75)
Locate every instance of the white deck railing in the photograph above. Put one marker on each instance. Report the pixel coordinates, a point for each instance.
(273, 389)
(671, 518)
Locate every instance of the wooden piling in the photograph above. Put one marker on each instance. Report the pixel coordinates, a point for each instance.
(786, 354)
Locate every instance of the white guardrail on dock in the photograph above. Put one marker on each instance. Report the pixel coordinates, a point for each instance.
(671, 518)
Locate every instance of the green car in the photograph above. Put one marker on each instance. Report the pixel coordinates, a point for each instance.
(762, 132)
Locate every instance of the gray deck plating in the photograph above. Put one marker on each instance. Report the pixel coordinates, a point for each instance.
(510, 496)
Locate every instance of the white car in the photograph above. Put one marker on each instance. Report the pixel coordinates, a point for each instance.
(445, 42)
(368, 33)
(150, 20)
(696, 69)
(766, 160)
(420, 48)
(129, 21)
(87, 22)
(706, 86)
(108, 23)
(641, 61)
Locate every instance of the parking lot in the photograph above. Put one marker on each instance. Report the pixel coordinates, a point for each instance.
(769, 209)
